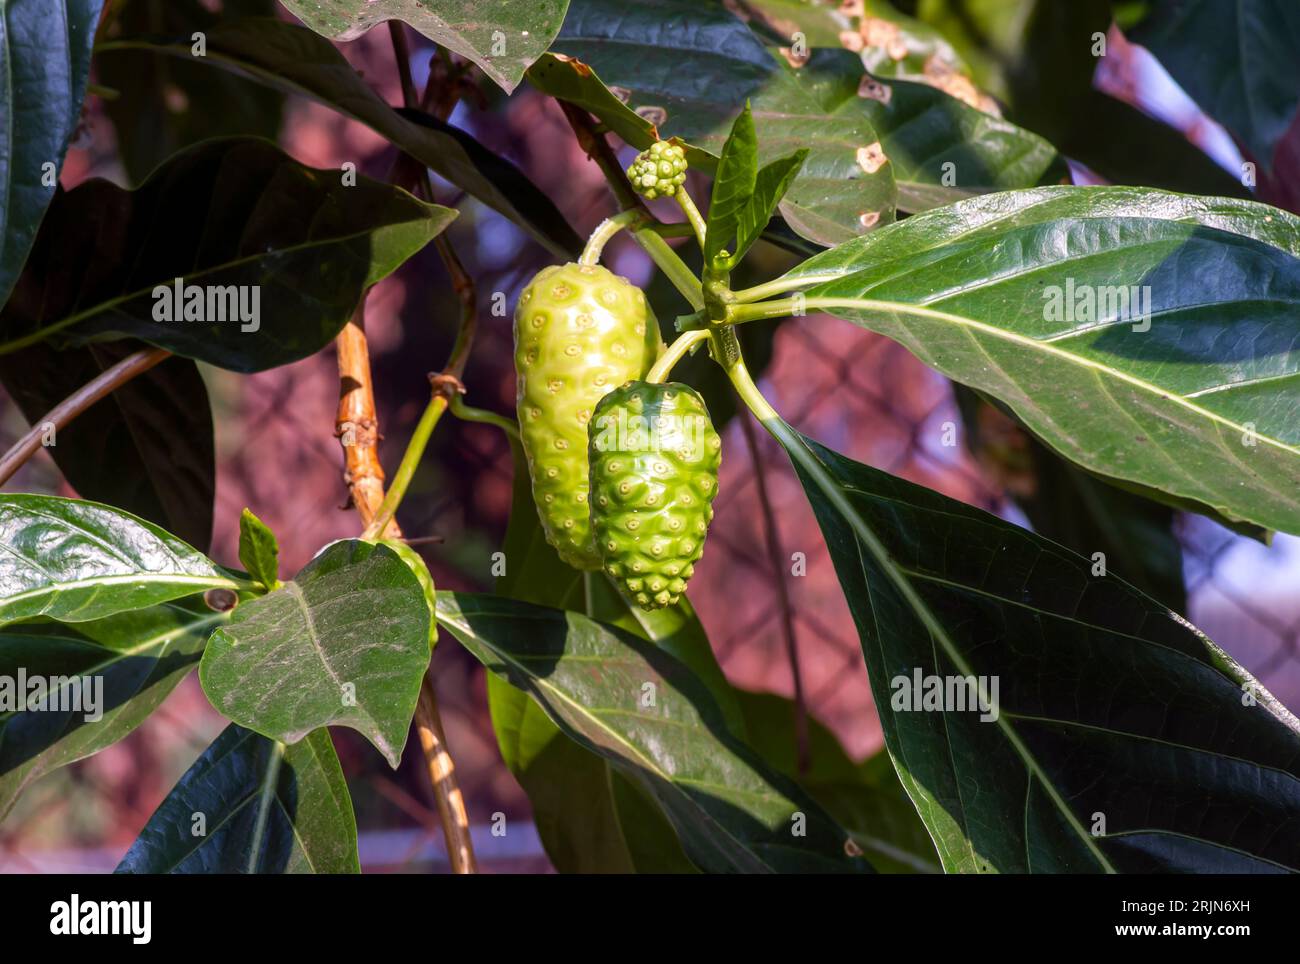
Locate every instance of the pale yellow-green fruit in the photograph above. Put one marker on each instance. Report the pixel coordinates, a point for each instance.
(580, 332)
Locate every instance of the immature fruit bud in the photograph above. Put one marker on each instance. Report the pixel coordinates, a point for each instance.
(658, 171)
(654, 472)
(580, 332)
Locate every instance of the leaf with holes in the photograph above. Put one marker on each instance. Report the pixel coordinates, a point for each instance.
(266, 808)
(76, 561)
(132, 661)
(1044, 719)
(1148, 337)
(730, 811)
(345, 643)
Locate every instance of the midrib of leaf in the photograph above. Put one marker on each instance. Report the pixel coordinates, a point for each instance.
(866, 536)
(162, 639)
(265, 797)
(960, 321)
(646, 762)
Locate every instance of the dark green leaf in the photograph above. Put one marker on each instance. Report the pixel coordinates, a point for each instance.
(146, 448)
(295, 60)
(345, 643)
(140, 657)
(44, 64)
(502, 36)
(1111, 735)
(866, 798)
(236, 214)
(164, 104)
(729, 811)
(1237, 60)
(1198, 400)
(259, 552)
(265, 808)
(77, 561)
(733, 185)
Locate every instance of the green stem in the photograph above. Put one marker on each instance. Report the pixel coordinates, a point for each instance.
(692, 214)
(468, 414)
(606, 230)
(675, 353)
(406, 470)
(780, 286)
(673, 267)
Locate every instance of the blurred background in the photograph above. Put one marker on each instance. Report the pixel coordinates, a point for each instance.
(848, 388)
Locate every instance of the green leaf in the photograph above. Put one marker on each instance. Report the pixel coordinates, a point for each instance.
(165, 104)
(292, 59)
(866, 798)
(1202, 404)
(137, 658)
(729, 811)
(1114, 736)
(259, 552)
(733, 184)
(345, 643)
(1236, 60)
(77, 561)
(502, 36)
(147, 448)
(771, 184)
(44, 65)
(266, 808)
(689, 81)
(299, 240)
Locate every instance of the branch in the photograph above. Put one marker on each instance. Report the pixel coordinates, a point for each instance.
(446, 789)
(357, 425)
(87, 395)
(802, 752)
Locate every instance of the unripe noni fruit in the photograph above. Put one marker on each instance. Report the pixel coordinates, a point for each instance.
(658, 171)
(654, 472)
(580, 332)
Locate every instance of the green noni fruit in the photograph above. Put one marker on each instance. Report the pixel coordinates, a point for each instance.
(580, 331)
(654, 471)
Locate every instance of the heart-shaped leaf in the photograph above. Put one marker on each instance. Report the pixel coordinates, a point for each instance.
(76, 561)
(146, 448)
(268, 275)
(345, 643)
(1043, 718)
(250, 805)
(131, 661)
(656, 722)
(502, 36)
(295, 60)
(44, 65)
(1237, 61)
(1146, 336)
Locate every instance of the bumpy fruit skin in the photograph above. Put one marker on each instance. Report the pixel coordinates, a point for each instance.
(658, 171)
(652, 492)
(580, 332)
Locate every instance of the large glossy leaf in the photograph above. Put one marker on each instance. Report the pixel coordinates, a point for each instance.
(502, 36)
(163, 104)
(44, 65)
(77, 561)
(686, 69)
(345, 643)
(301, 240)
(1114, 736)
(730, 812)
(1202, 404)
(295, 60)
(147, 448)
(1237, 60)
(137, 658)
(265, 808)
(866, 798)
